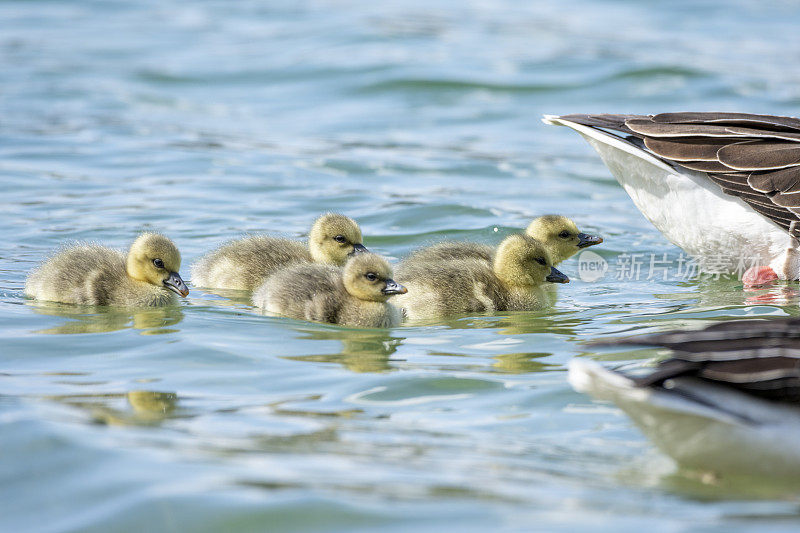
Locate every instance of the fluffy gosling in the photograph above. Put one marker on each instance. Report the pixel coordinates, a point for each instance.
(511, 282)
(355, 295)
(90, 274)
(245, 263)
(559, 234)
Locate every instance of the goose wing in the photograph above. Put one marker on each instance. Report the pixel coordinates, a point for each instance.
(757, 357)
(753, 157)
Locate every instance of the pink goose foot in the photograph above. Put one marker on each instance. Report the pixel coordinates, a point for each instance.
(759, 276)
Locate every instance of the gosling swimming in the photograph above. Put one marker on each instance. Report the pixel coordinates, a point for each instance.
(90, 274)
(245, 263)
(355, 295)
(559, 234)
(513, 281)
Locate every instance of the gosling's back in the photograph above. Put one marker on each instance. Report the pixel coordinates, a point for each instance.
(449, 251)
(90, 274)
(245, 263)
(307, 291)
(442, 288)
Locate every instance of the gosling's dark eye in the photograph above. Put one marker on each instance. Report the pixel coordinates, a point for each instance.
(541, 261)
(565, 234)
(158, 263)
(340, 239)
(371, 276)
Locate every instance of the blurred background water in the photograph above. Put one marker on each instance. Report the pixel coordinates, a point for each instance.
(421, 120)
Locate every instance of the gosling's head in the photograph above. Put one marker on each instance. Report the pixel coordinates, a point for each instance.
(369, 277)
(334, 238)
(522, 261)
(561, 236)
(155, 259)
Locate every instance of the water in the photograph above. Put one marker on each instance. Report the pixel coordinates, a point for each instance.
(207, 120)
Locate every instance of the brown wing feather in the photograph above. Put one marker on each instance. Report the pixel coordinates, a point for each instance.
(733, 189)
(648, 128)
(734, 180)
(758, 357)
(759, 199)
(789, 201)
(686, 149)
(705, 166)
(730, 119)
(605, 121)
(760, 155)
(780, 181)
(782, 187)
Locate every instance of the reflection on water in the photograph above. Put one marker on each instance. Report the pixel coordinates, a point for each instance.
(552, 321)
(779, 294)
(134, 408)
(519, 363)
(706, 486)
(153, 404)
(361, 350)
(282, 408)
(83, 319)
(225, 297)
(727, 291)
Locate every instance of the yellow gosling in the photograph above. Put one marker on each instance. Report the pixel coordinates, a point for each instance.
(90, 274)
(561, 236)
(355, 295)
(513, 281)
(245, 263)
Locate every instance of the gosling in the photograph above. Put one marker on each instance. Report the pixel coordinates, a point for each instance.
(90, 274)
(559, 234)
(513, 281)
(355, 295)
(245, 263)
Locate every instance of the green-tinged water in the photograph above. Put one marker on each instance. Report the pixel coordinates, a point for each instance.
(208, 120)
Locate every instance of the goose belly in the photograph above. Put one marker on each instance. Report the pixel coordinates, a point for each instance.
(693, 212)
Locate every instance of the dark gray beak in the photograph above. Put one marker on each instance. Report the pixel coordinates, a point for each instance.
(556, 276)
(358, 249)
(392, 287)
(176, 284)
(585, 240)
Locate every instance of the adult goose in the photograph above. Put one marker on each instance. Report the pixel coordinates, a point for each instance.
(725, 187)
(726, 401)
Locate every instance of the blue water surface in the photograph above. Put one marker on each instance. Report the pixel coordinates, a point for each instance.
(207, 120)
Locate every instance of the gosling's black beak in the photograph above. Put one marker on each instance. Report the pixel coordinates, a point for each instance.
(585, 240)
(392, 287)
(556, 276)
(358, 248)
(176, 284)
